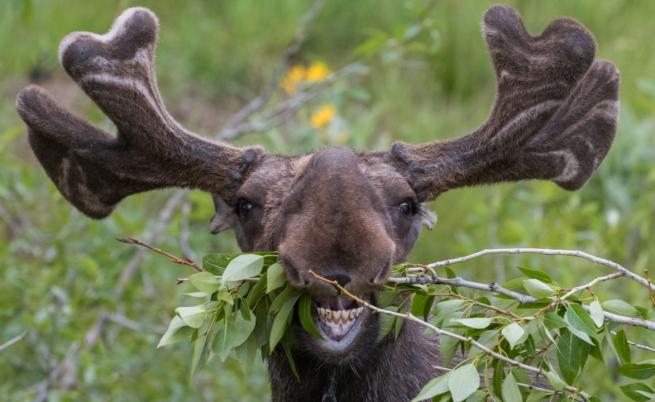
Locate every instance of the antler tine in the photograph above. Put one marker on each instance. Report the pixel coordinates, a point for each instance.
(94, 170)
(116, 70)
(554, 116)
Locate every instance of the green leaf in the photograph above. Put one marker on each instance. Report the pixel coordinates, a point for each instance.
(445, 310)
(552, 321)
(397, 326)
(620, 307)
(514, 334)
(555, 381)
(622, 347)
(538, 289)
(580, 324)
(488, 339)
(497, 378)
(596, 312)
(638, 371)
(215, 263)
(281, 321)
(463, 381)
(243, 266)
(534, 274)
(305, 315)
(428, 307)
(200, 349)
(476, 322)
(385, 323)
(477, 396)
(257, 291)
(292, 363)
(204, 282)
(275, 277)
(448, 347)
(286, 294)
(433, 388)
(197, 294)
(418, 304)
(246, 313)
(225, 295)
(511, 391)
(638, 392)
(572, 355)
(177, 331)
(193, 316)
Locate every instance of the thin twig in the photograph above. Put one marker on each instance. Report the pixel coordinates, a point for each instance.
(13, 340)
(546, 251)
(591, 283)
(173, 258)
(439, 331)
(637, 345)
(459, 282)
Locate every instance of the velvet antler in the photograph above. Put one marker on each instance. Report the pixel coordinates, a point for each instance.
(95, 170)
(554, 116)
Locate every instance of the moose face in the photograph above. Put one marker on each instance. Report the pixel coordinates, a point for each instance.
(345, 216)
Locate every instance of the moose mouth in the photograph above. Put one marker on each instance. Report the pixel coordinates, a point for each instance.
(339, 321)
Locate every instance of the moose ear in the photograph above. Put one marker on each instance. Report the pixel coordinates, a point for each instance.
(224, 218)
(554, 116)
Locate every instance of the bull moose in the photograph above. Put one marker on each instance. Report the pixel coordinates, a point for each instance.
(349, 216)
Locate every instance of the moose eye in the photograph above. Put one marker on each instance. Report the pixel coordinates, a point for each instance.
(244, 207)
(406, 208)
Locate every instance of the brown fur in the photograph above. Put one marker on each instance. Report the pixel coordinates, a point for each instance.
(346, 216)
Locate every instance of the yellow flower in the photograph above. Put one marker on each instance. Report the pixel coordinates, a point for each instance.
(317, 72)
(323, 116)
(294, 76)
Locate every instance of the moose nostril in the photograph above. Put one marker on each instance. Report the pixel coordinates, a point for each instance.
(341, 279)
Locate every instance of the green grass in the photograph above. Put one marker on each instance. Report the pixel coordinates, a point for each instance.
(60, 269)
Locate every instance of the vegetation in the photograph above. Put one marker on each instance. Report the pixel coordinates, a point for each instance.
(420, 73)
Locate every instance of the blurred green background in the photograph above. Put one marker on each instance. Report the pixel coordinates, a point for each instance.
(428, 76)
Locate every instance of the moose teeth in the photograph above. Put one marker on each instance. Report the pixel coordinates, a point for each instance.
(339, 316)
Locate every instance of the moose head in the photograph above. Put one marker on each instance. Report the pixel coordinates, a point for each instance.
(347, 216)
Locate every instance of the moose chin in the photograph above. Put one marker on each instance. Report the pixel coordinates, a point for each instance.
(348, 216)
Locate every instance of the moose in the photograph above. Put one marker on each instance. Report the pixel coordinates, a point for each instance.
(346, 215)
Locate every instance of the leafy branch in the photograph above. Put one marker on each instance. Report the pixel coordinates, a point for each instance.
(249, 301)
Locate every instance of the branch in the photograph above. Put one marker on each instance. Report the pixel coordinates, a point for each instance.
(589, 284)
(459, 282)
(546, 251)
(434, 279)
(439, 331)
(174, 259)
(530, 387)
(520, 297)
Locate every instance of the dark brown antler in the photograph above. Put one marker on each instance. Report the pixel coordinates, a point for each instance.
(554, 116)
(95, 170)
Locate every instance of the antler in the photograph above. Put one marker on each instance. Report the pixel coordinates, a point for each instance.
(554, 116)
(94, 170)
